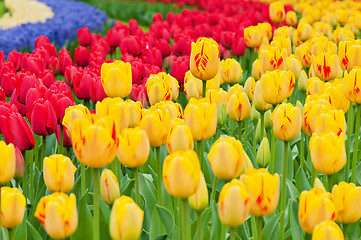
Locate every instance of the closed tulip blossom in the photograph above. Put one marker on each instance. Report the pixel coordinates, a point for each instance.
(115, 107)
(116, 79)
(327, 230)
(199, 200)
(59, 173)
(179, 137)
(238, 105)
(331, 121)
(253, 36)
(337, 95)
(325, 66)
(133, 149)
(135, 109)
(204, 58)
(192, 86)
(349, 54)
(352, 85)
(7, 161)
(13, 205)
(277, 12)
(109, 186)
(216, 96)
(226, 158)
(231, 70)
(72, 113)
(233, 203)
(181, 172)
(175, 109)
(263, 189)
(158, 89)
(272, 57)
(126, 219)
(259, 104)
(58, 214)
(315, 206)
(291, 18)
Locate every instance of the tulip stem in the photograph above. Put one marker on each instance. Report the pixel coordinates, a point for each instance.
(200, 147)
(355, 146)
(11, 233)
(245, 133)
(262, 126)
(159, 175)
(302, 160)
(186, 219)
(259, 227)
(254, 139)
(254, 227)
(82, 172)
(96, 203)
(43, 153)
(204, 88)
(232, 233)
(25, 177)
(239, 130)
(273, 143)
(283, 195)
(313, 175)
(350, 119)
(329, 182)
(137, 194)
(213, 196)
(32, 177)
(199, 225)
(180, 210)
(60, 150)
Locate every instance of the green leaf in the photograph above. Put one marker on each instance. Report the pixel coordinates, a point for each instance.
(301, 181)
(34, 234)
(147, 190)
(155, 225)
(104, 219)
(296, 231)
(292, 189)
(271, 229)
(85, 224)
(21, 230)
(126, 187)
(166, 218)
(216, 223)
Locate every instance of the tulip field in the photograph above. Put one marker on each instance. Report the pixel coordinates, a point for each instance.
(180, 119)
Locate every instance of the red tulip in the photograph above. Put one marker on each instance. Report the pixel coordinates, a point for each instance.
(47, 77)
(81, 56)
(42, 117)
(7, 67)
(97, 93)
(53, 64)
(84, 36)
(133, 26)
(164, 47)
(8, 82)
(34, 93)
(33, 63)
(179, 68)
(154, 57)
(69, 74)
(2, 95)
(114, 37)
(2, 58)
(66, 138)
(64, 60)
(41, 41)
(130, 45)
(238, 46)
(139, 94)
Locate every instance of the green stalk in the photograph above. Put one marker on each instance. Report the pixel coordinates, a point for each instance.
(200, 147)
(273, 143)
(313, 176)
(254, 227)
(223, 232)
(355, 146)
(262, 126)
(239, 130)
(350, 118)
(43, 153)
(199, 225)
(82, 178)
(283, 194)
(31, 178)
(254, 139)
(11, 233)
(186, 218)
(60, 149)
(96, 203)
(159, 175)
(137, 194)
(302, 160)
(180, 204)
(259, 227)
(232, 233)
(213, 195)
(329, 181)
(204, 88)
(25, 177)
(245, 133)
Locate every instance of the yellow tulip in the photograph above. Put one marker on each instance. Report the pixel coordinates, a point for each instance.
(315, 85)
(199, 200)
(231, 71)
(249, 87)
(116, 78)
(256, 69)
(192, 86)
(233, 203)
(253, 36)
(263, 189)
(323, 28)
(321, 44)
(226, 158)
(156, 123)
(179, 137)
(126, 219)
(216, 96)
(327, 230)
(331, 121)
(72, 113)
(283, 43)
(315, 206)
(204, 59)
(214, 83)
(284, 31)
(294, 65)
(258, 102)
(342, 34)
(291, 18)
(327, 151)
(347, 198)
(349, 53)
(13, 205)
(272, 58)
(175, 109)
(135, 109)
(59, 173)
(304, 31)
(158, 88)
(325, 66)
(302, 81)
(277, 12)
(109, 186)
(115, 107)
(133, 149)
(201, 117)
(352, 85)
(303, 52)
(277, 85)
(95, 143)
(266, 29)
(238, 105)
(8, 162)
(175, 87)
(58, 214)
(181, 172)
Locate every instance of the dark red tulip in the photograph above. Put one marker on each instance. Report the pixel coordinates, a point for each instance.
(2, 95)
(238, 46)
(66, 138)
(179, 68)
(84, 36)
(42, 117)
(97, 91)
(81, 56)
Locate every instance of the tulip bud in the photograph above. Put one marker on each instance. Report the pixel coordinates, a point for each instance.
(302, 81)
(249, 86)
(267, 120)
(256, 69)
(221, 115)
(291, 18)
(327, 230)
(59, 173)
(263, 156)
(13, 205)
(179, 137)
(258, 102)
(231, 71)
(233, 203)
(109, 186)
(7, 162)
(255, 115)
(247, 163)
(20, 164)
(126, 219)
(199, 200)
(253, 36)
(277, 12)
(258, 131)
(238, 105)
(319, 184)
(294, 65)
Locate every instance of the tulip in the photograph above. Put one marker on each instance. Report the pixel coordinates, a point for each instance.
(84, 36)
(42, 117)
(315, 85)
(181, 172)
(347, 199)
(179, 137)
(20, 164)
(116, 108)
(267, 29)
(253, 36)
(315, 206)
(233, 203)
(342, 34)
(294, 65)
(263, 157)
(302, 81)
(259, 104)
(8, 162)
(204, 58)
(59, 173)
(216, 96)
(352, 85)
(303, 31)
(72, 113)
(287, 121)
(249, 87)
(156, 123)
(159, 88)
(174, 109)
(214, 83)
(64, 60)
(327, 230)
(348, 53)
(257, 69)
(277, 12)
(58, 214)
(272, 57)
(109, 186)
(337, 95)
(199, 200)
(256, 181)
(283, 43)
(291, 18)
(81, 56)
(13, 205)
(238, 106)
(135, 109)
(331, 121)
(327, 151)
(231, 70)
(133, 149)
(201, 117)
(303, 52)
(116, 79)
(94, 141)
(325, 66)
(226, 158)
(126, 219)
(192, 86)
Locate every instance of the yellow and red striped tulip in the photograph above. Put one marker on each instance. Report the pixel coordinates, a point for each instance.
(175, 109)
(135, 109)
(337, 95)
(253, 36)
(352, 85)
(72, 113)
(272, 57)
(259, 104)
(192, 86)
(277, 12)
(331, 121)
(238, 106)
(115, 107)
(109, 186)
(325, 66)
(231, 71)
(158, 88)
(291, 18)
